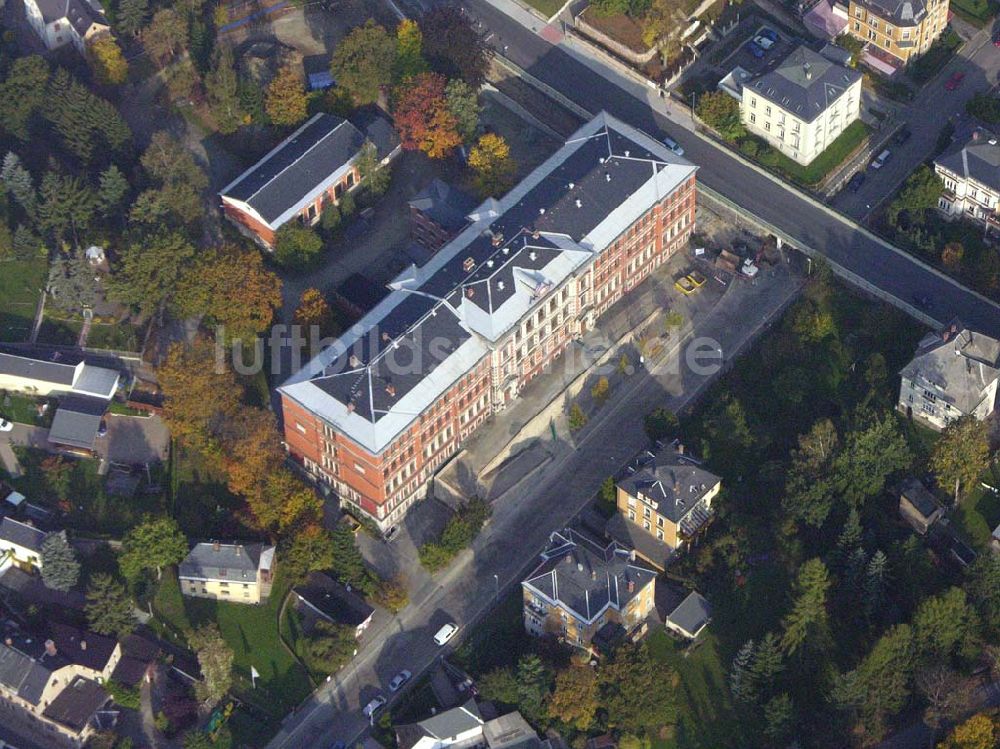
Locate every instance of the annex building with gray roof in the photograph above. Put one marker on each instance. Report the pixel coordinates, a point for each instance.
(691, 616)
(309, 170)
(953, 374)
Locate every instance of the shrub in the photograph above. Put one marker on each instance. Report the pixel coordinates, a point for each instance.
(660, 424)
(458, 534)
(296, 246)
(577, 418)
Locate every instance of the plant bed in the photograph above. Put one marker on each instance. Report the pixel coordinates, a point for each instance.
(976, 12)
(620, 28)
(120, 336)
(59, 332)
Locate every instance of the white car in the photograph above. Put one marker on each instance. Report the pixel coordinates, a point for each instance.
(445, 633)
(374, 706)
(763, 42)
(399, 680)
(674, 146)
(6, 426)
(880, 160)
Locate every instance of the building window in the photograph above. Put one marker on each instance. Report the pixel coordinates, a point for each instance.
(753, 118)
(767, 111)
(753, 102)
(767, 126)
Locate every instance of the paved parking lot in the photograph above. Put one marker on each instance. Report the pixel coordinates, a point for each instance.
(742, 57)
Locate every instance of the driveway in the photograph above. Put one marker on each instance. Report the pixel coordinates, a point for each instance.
(130, 439)
(932, 108)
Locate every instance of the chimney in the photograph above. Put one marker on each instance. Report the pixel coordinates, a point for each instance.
(579, 203)
(350, 407)
(238, 550)
(9, 642)
(975, 135)
(680, 449)
(579, 566)
(83, 644)
(593, 574)
(631, 586)
(808, 71)
(385, 335)
(50, 647)
(216, 546)
(354, 361)
(390, 389)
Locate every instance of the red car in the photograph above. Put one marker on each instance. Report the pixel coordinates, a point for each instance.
(955, 80)
(996, 40)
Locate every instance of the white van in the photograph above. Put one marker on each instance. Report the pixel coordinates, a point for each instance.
(445, 633)
(880, 160)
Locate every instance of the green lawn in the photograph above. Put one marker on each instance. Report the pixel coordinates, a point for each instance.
(978, 514)
(547, 8)
(814, 172)
(59, 332)
(119, 336)
(976, 12)
(705, 714)
(20, 284)
(24, 410)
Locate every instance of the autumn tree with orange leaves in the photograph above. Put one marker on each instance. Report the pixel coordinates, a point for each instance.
(423, 118)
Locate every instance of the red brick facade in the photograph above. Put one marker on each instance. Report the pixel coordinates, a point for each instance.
(384, 486)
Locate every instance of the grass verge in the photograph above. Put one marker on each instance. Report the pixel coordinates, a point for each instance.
(816, 170)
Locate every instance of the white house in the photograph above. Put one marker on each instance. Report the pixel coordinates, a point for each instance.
(20, 544)
(971, 175)
(953, 374)
(801, 105)
(62, 22)
(57, 375)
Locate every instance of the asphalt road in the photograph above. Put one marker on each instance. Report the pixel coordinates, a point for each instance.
(891, 271)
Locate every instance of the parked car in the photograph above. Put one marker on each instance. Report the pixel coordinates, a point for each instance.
(763, 42)
(673, 145)
(374, 706)
(755, 49)
(879, 161)
(6, 426)
(855, 182)
(769, 34)
(902, 135)
(399, 680)
(390, 535)
(102, 429)
(955, 81)
(996, 39)
(445, 633)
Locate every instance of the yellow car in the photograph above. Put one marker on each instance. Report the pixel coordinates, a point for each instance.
(696, 278)
(684, 285)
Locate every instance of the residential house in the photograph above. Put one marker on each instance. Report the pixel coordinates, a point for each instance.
(918, 506)
(58, 374)
(580, 586)
(970, 171)
(438, 213)
(77, 422)
(896, 31)
(52, 687)
(374, 415)
(235, 572)
(62, 22)
(311, 169)
(21, 545)
(662, 504)
(953, 374)
(690, 617)
(801, 105)
(327, 599)
(464, 727)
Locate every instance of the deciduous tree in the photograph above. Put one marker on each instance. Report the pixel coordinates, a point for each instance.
(331, 646)
(959, 458)
(409, 45)
(942, 623)
(215, 658)
(423, 118)
(200, 393)
(660, 423)
(131, 15)
(452, 46)
(576, 697)
(809, 492)
(314, 311)
(721, 111)
(153, 544)
(492, 164)
(375, 176)
(310, 550)
(978, 732)
(286, 102)
(107, 61)
(463, 103)
(870, 456)
(637, 692)
(363, 62)
(165, 36)
(109, 608)
(296, 246)
(391, 595)
(60, 570)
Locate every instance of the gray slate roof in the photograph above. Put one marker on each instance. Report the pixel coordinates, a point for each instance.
(804, 84)
(956, 364)
(585, 578)
(80, 13)
(510, 731)
(96, 381)
(22, 534)
(900, 12)
(299, 164)
(674, 481)
(76, 704)
(443, 726)
(692, 614)
(77, 420)
(978, 159)
(446, 206)
(59, 373)
(22, 674)
(334, 601)
(228, 562)
(920, 497)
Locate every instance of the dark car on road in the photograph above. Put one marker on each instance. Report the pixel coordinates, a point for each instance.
(955, 81)
(923, 301)
(855, 182)
(902, 136)
(769, 34)
(755, 49)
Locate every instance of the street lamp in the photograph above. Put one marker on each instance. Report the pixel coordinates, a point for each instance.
(496, 579)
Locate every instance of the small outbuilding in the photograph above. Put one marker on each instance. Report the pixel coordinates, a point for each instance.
(918, 506)
(691, 616)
